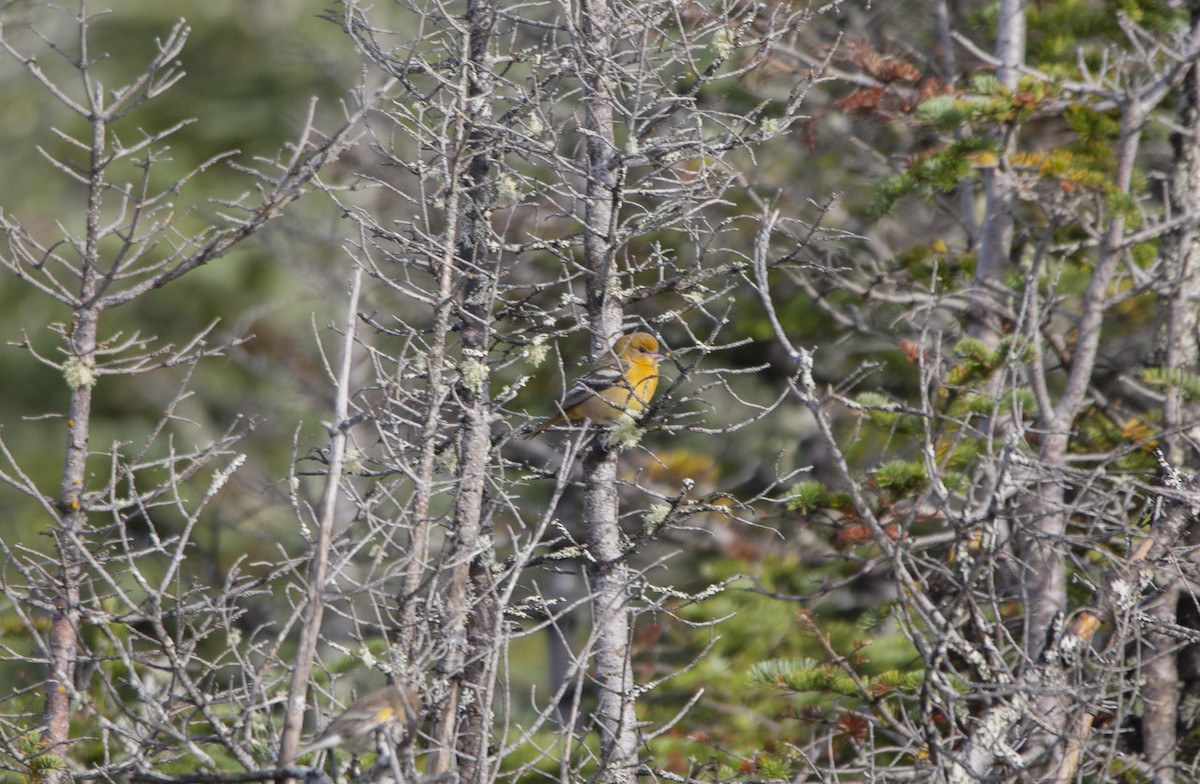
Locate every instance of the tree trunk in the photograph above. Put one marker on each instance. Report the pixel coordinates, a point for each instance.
(68, 536)
(472, 622)
(606, 570)
(1180, 355)
(995, 244)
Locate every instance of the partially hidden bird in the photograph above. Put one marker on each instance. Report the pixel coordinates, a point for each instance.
(621, 383)
(355, 729)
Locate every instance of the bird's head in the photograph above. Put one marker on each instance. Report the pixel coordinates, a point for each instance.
(639, 344)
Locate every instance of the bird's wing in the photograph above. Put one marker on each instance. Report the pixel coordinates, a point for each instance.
(603, 376)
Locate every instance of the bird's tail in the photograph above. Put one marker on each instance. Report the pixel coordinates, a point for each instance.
(542, 428)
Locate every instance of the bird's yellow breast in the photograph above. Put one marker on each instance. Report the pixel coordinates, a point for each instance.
(608, 405)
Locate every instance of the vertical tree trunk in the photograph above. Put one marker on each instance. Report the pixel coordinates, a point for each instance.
(996, 237)
(606, 570)
(483, 650)
(64, 632)
(1161, 693)
(318, 569)
(1042, 530)
(1179, 316)
(437, 388)
(1180, 355)
(471, 622)
(608, 579)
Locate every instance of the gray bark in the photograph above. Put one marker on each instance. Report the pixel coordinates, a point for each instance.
(996, 239)
(472, 613)
(1181, 354)
(608, 575)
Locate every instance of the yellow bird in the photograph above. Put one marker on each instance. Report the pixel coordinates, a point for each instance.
(621, 383)
(355, 729)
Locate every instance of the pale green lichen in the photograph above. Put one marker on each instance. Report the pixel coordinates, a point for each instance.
(565, 554)
(353, 460)
(447, 460)
(507, 189)
(722, 44)
(474, 374)
(537, 350)
(654, 518)
(80, 372)
(221, 477)
(509, 391)
(625, 433)
(707, 593)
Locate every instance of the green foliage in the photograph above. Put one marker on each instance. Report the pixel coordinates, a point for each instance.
(962, 454)
(1021, 399)
(977, 350)
(873, 618)
(806, 496)
(1059, 32)
(984, 83)
(42, 765)
(985, 103)
(1145, 253)
(769, 662)
(899, 478)
(1096, 129)
(895, 680)
(880, 408)
(827, 685)
(807, 679)
(774, 767)
(939, 172)
(847, 686)
(1161, 16)
(885, 413)
(980, 361)
(1174, 378)
(956, 481)
(772, 671)
(1128, 445)
(942, 111)
(971, 402)
(1063, 174)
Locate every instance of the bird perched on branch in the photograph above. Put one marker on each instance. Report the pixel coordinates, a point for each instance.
(355, 729)
(621, 383)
